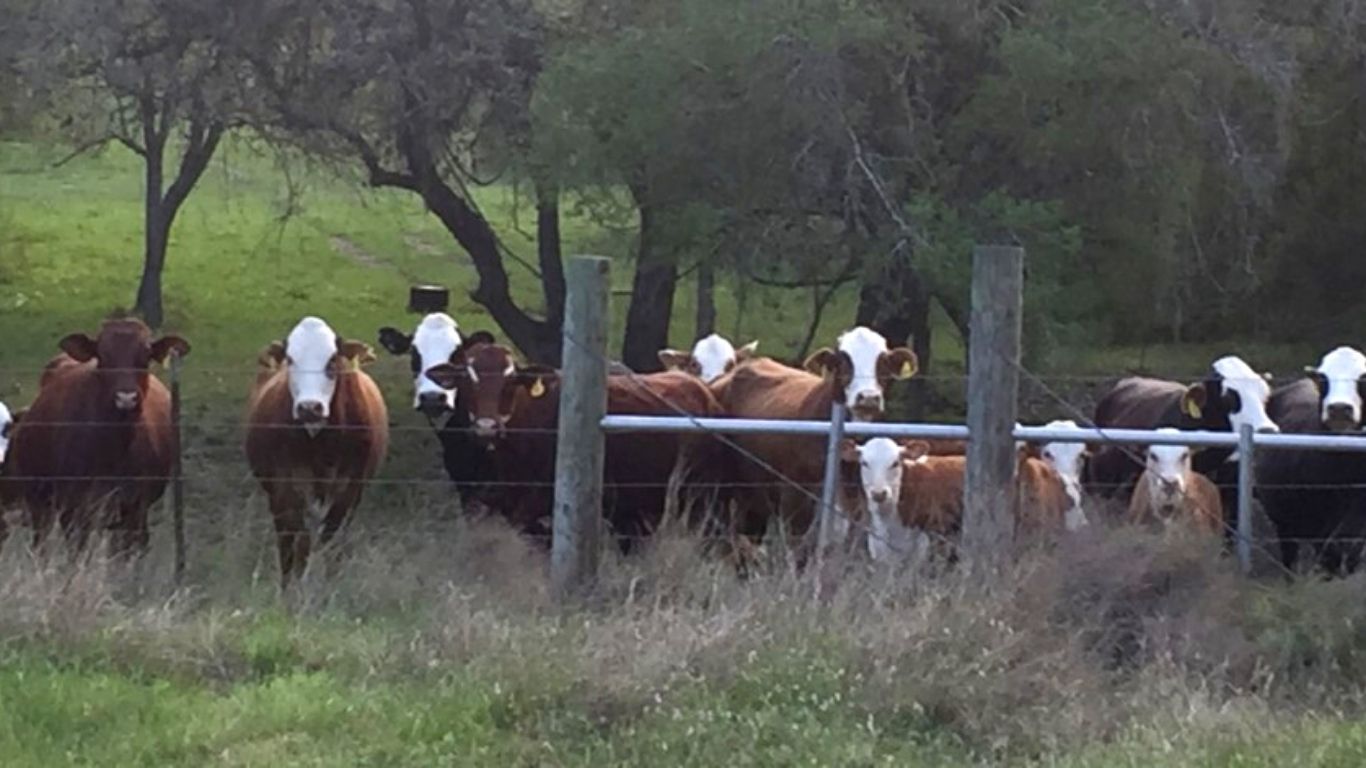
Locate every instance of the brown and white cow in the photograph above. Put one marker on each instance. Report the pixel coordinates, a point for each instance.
(515, 412)
(711, 357)
(317, 431)
(97, 445)
(856, 373)
(1171, 493)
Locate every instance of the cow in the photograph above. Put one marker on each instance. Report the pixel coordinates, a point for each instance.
(855, 374)
(8, 423)
(437, 341)
(316, 432)
(515, 415)
(1233, 395)
(1172, 494)
(908, 492)
(711, 357)
(1069, 461)
(97, 445)
(1318, 497)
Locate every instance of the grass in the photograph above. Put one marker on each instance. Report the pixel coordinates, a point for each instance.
(435, 641)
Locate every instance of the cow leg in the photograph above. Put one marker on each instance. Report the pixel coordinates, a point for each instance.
(132, 536)
(335, 520)
(291, 535)
(77, 523)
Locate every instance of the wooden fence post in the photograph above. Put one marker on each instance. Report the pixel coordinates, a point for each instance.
(993, 385)
(177, 476)
(829, 489)
(580, 445)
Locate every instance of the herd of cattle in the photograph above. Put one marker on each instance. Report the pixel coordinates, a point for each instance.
(96, 447)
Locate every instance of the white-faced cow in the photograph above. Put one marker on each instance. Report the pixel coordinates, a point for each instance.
(856, 373)
(317, 431)
(1172, 494)
(437, 341)
(1069, 460)
(1318, 498)
(711, 357)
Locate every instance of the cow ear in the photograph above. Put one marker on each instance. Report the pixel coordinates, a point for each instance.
(673, 359)
(164, 346)
(534, 377)
(914, 450)
(446, 375)
(394, 340)
(79, 347)
(1193, 401)
(822, 360)
(849, 451)
(357, 353)
(901, 362)
(746, 352)
(273, 356)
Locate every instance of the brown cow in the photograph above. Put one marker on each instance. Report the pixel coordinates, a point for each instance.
(515, 411)
(1170, 492)
(317, 431)
(711, 357)
(98, 437)
(856, 374)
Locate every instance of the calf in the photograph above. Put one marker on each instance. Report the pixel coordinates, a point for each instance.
(1318, 498)
(856, 374)
(711, 357)
(98, 437)
(317, 431)
(437, 341)
(1069, 461)
(1171, 493)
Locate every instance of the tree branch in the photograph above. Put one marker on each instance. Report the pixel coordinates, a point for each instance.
(88, 146)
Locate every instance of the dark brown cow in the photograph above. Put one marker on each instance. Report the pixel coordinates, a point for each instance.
(317, 431)
(515, 411)
(98, 438)
(856, 373)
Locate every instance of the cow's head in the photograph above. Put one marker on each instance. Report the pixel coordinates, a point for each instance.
(123, 351)
(8, 421)
(1233, 395)
(1168, 467)
(710, 358)
(881, 464)
(1069, 460)
(436, 341)
(1341, 381)
(863, 367)
(490, 382)
(314, 356)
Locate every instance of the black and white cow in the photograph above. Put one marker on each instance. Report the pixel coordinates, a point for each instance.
(1232, 395)
(437, 341)
(1318, 498)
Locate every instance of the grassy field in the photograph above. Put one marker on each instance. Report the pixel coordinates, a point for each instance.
(435, 642)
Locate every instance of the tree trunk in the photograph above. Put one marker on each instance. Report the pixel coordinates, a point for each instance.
(550, 255)
(705, 324)
(156, 231)
(652, 298)
(896, 304)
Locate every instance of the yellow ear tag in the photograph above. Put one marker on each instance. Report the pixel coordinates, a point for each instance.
(1193, 409)
(537, 389)
(907, 370)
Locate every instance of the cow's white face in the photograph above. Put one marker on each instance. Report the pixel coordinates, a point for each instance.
(713, 356)
(1251, 390)
(1069, 461)
(310, 350)
(864, 347)
(880, 473)
(1340, 374)
(1168, 466)
(434, 342)
(6, 427)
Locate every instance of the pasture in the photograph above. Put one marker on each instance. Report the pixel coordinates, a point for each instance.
(435, 641)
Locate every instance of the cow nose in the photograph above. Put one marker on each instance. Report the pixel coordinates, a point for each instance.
(126, 401)
(485, 427)
(431, 401)
(1339, 412)
(309, 411)
(869, 400)
(880, 495)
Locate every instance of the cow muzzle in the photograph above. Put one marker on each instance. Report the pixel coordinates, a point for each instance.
(1340, 417)
(879, 495)
(868, 405)
(486, 427)
(432, 404)
(309, 411)
(127, 400)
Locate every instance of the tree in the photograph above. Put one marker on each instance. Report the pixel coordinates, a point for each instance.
(157, 76)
